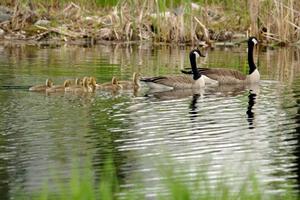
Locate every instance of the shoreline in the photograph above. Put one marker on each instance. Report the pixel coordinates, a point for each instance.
(196, 24)
(84, 43)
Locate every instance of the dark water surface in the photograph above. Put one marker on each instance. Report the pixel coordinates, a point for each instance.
(228, 131)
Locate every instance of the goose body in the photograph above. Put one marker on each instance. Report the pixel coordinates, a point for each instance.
(59, 88)
(134, 84)
(174, 82)
(42, 88)
(179, 81)
(229, 76)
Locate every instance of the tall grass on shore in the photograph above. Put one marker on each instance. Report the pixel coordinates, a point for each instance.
(180, 21)
(280, 20)
(174, 184)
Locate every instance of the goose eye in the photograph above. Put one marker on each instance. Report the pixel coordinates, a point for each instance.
(254, 41)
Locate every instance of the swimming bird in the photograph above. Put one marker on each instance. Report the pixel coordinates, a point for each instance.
(78, 81)
(229, 76)
(92, 84)
(134, 84)
(79, 87)
(42, 88)
(179, 81)
(59, 88)
(110, 86)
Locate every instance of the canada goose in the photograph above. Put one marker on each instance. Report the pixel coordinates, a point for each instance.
(79, 88)
(179, 81)
(134, 84)
(42, 88)
(229, 76)
(59, 88)
(113, 85)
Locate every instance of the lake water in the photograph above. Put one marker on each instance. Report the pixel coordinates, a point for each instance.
(227, 131)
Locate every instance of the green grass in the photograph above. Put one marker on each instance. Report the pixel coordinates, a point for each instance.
(82, 185)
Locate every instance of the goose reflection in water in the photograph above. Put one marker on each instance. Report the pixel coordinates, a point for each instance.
(253, 92)
(250, 113)
(230, 90)
(210, 92)
(174, 94)
(193, 107)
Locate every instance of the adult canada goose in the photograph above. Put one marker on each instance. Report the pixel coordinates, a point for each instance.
(42, 88)
(229, 76)
(112, 86)
(134, 84)
(179, 81)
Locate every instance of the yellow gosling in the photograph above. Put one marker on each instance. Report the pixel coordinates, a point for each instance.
(59, 88)
(78, 81)
(134, 84)
(110, 86)
(79, 88)
(42, 88)
(92, 84)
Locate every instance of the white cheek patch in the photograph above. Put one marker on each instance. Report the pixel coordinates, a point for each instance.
(254, 41)
(196, 54)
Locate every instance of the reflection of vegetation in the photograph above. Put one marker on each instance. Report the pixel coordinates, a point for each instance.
(86, 123)
(173, 186)
(103, 138)
(292, 107)
(4, 141)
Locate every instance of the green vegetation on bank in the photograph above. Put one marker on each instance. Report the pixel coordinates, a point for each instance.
(179, 21)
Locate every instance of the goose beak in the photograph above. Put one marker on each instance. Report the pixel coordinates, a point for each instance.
(200, 54)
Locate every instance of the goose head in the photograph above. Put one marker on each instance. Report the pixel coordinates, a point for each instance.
(197, 53)
(78, 81)
(67, 83)
(114, 81)
(136, 77)
(92, 84)
(49, 82)
(85, 82)
(252, 41)
(92, 81)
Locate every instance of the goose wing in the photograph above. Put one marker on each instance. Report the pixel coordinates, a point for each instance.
(220, 74)
(178, 81)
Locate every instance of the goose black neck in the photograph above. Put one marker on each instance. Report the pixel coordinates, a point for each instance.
(196, 73)
(251, 63)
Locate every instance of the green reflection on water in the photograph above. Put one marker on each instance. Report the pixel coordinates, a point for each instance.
(40, 132)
